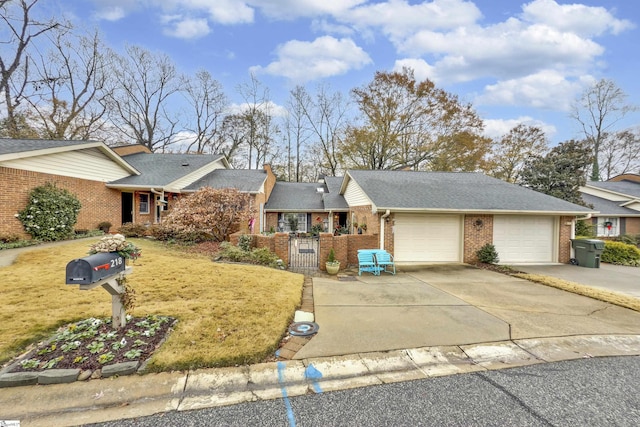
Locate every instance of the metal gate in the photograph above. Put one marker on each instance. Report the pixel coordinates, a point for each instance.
(304, 252)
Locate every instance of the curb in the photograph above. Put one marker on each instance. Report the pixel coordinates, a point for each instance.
(133, 396)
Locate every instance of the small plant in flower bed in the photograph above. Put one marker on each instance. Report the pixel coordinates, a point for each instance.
(92, 343)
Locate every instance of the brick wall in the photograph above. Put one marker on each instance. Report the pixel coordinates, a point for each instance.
(478, 231)
(363, 215)
(388, 234)
(99, 203)
(632, 226)
(564, 243)
(345, 247)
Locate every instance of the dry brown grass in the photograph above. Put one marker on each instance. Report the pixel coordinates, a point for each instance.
(228, 314)
(591, 292)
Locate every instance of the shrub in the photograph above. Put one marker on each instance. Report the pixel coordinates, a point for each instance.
(584, 228)
(50, 214)
(131, 229)
(104, 226)
(9, 238)
(331, 258)
(244, 242)
(620, 253)
(488, 254)
(210, 213)
(261, 256)
(628, 239)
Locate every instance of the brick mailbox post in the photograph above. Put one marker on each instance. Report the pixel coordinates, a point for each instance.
(101, 269)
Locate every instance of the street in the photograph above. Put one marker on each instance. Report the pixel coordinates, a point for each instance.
(593, 391)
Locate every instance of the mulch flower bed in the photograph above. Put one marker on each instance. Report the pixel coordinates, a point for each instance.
(92, 343)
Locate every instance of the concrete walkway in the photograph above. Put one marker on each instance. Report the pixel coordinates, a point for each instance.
(616, 278)
(8, 256)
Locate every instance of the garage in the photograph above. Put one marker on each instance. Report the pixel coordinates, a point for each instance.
(524, 239)
(427, 238)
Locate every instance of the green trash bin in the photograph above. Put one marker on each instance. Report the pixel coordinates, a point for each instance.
(588, 252)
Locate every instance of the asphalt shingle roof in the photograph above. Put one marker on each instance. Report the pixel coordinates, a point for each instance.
(9, 146)
(608, 207)
(296, 196)
(454, 191)
(158, 170)
(630, 188)
(249, 181)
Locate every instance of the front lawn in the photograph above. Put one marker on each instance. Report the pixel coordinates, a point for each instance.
(227, 313)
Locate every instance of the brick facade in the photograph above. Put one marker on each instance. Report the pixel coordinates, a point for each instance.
(478, 231)
(564, 243)
(363, 215)
(99, 203)
(632, 226)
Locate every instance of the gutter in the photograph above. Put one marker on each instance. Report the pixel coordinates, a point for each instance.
(587, 216)
(382, 223)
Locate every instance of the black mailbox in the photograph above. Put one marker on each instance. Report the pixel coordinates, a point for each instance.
(93, 268)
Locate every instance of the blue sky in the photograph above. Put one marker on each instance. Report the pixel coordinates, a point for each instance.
(515, 61)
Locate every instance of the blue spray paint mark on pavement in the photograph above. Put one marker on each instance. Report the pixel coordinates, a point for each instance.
(285, 396)
(313, 374)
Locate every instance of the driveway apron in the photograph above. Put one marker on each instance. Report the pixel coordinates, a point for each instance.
(450, 305)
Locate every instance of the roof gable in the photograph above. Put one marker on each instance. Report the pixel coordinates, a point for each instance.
(171, 172)
(453, 191)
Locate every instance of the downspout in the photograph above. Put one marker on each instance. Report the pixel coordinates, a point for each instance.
(573, 231)
(382, 223)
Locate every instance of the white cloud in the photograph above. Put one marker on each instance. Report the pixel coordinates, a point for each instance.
(398, 19)
(292, 9)
(495, 128)
(575, 18)
(269, 107)
(326, 27)
(301, 61)
(547, 89)
(187, 28)
(421, 69)
(114, 10)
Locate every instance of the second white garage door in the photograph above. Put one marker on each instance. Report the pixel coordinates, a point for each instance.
(522, 239)
(427, 238)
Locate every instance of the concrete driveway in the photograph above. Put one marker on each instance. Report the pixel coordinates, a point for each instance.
(450, 305)
(615, 278)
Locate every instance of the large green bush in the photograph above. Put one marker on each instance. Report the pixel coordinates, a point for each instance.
(50, 214)
(620, 253)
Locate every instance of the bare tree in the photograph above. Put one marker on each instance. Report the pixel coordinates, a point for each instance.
(68, 99)
(258, 116)
(17, 33)
(598, 110)
(512, 150)
(297, 130)
(326, 114)
(620, 153)
(232, 140)
(207, 103)
(142, 85)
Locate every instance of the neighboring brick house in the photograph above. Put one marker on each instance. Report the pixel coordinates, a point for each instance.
(618, 204)
(119, 185)
(82, 167)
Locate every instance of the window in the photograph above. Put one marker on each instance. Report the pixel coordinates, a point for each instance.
(143, 203)
(293, 222)
(608, 226)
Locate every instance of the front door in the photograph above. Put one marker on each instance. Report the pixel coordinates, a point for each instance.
(127, 207)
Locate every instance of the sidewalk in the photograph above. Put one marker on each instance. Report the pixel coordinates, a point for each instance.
(137, 396)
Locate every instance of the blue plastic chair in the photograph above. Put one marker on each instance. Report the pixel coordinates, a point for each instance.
(385, 262)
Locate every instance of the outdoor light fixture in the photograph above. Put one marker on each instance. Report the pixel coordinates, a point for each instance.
(281, 224)
(326, 224)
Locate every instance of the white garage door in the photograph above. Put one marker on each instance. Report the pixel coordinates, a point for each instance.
(427, 238)
(524, 238)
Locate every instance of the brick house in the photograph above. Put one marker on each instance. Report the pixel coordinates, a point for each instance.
(118, 185)
(417, 216)
(618, 204)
